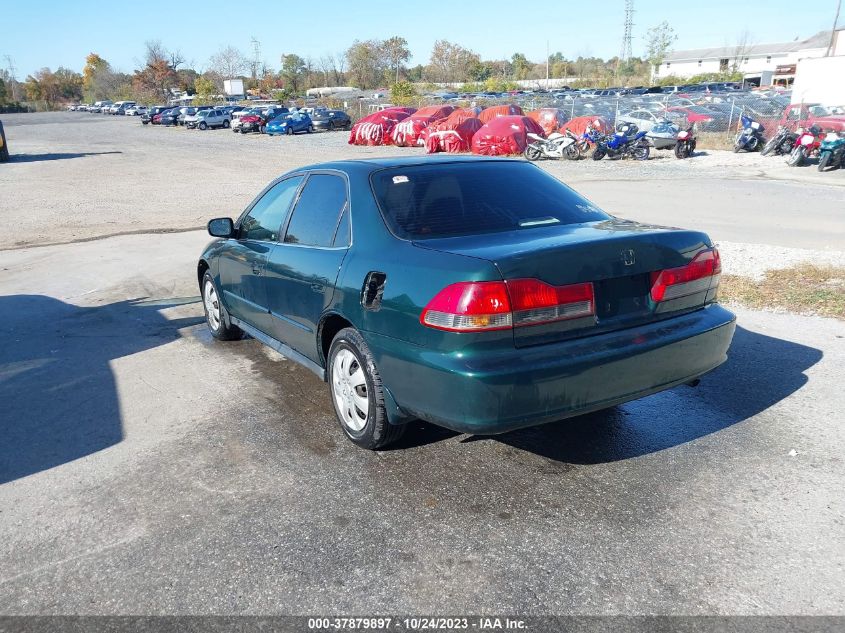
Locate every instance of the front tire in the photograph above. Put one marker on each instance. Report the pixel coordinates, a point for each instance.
(225, 123)
(215, 314)
(769, 147)
(532, 153)
(681, 150)
(203, 125)
(824, 159)
(599, 153)
(289, 131)
(357, 392)
(796, 158)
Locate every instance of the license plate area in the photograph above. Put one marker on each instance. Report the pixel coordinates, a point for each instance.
(622, 296)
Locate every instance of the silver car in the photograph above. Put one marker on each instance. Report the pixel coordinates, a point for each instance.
(205, 119)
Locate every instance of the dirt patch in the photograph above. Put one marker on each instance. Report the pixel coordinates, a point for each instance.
(805, 289)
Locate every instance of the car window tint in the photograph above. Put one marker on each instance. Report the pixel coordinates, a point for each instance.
(343, 235)
(315, 216)
(265, 219)
(428, 201)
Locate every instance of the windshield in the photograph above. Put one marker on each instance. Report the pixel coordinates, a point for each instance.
(459, 199)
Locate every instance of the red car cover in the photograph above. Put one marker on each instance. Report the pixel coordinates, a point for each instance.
(579, 124)
(407, 133)
(550, 119)
(488, 114)
(504, 135)
(374, 129)
(452, 135)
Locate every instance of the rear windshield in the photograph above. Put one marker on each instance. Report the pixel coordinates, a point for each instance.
(458, 199)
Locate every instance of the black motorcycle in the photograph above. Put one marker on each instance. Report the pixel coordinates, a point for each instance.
(781, 143)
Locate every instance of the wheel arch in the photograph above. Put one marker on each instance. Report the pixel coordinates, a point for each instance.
(330, 324)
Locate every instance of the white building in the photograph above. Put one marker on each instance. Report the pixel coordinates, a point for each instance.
(754, 61)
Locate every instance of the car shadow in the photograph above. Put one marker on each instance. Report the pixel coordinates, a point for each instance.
(59, 396)
(760, 372)
(35, 158)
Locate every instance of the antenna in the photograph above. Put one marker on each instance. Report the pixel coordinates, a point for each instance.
(626, 54)
(256, 56)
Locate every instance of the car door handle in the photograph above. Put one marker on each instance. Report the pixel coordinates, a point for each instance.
(256, 270)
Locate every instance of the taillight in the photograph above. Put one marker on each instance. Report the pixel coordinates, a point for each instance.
(498, 305)
(700, 275)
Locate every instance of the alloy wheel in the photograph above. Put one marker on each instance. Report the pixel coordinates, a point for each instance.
(212, 306)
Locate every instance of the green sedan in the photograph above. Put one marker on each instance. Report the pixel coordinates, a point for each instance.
(479, 294)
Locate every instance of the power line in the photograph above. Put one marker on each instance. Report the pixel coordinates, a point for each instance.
(626, 53)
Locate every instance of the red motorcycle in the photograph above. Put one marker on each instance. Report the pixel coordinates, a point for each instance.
(806, 145)
(685, 145)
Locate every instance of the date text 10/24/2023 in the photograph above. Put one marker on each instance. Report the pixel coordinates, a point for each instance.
(416, 623)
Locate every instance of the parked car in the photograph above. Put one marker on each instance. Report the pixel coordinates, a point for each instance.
(257, 121)
(153, 115)
(805, 115)
(457, 303)
(119, 107)
(237, 116)
(643, 119)
(211, 118)
(169, 117)
(135, 110)
(186, 111)
(331, 120)
(4, 147)
(292, 123)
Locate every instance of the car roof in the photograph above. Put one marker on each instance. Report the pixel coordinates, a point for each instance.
(368, 165)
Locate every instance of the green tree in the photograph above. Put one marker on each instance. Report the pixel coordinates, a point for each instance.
(396, 53)
(402, 93)
(205, 87)
(659, 40)
(293, 69)
(367, 63)
(451, 62)
(4, 93)
(520, 65)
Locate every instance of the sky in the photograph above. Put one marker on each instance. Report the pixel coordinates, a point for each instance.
(55, 33)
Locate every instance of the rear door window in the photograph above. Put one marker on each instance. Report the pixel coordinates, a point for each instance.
(315, 218)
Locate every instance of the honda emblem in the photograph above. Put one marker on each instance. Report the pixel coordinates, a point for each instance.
(628, 257)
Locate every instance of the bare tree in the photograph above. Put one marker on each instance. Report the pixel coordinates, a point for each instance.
(743, 45)
(228, 62)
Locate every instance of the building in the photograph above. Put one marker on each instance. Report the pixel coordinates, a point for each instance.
(819, 80)
(758, 63)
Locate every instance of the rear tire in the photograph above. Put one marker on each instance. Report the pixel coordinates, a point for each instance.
(641, 153)
(355, 384)
(571, 152)
(680, 150)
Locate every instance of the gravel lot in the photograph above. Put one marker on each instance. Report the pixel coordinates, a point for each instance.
(145, 468)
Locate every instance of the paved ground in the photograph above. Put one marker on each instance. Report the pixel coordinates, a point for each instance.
(145, 468)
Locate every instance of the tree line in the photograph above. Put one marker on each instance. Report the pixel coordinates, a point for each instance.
(366, 64)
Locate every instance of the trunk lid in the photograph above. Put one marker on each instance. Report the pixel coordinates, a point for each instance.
(617, 256)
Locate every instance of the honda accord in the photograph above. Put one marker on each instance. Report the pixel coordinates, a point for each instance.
(480, 294)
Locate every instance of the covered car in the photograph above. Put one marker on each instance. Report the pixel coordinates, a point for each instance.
(488, 114)
(579, 124)
(504, 135)
(550, 119)
(375, 129)
(453, 135)
(407, 133)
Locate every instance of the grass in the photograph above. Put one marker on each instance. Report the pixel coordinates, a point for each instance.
(714, 140)
(805, 288)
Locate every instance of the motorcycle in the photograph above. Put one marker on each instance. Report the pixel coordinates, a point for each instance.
(807, 144)
(628, 141)
(832, 151)
(557, 145)
(685, 145)
(751, 135)
(780, 143)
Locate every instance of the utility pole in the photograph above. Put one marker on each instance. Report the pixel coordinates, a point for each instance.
(547, 64)
(626, 53)
(833, 30)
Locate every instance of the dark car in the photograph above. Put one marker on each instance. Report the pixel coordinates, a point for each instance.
(478, 294)
(4, 147)
(148, 116)
(170, 117)
(331, 120)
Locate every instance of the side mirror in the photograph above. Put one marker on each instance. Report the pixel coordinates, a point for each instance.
(221, 227)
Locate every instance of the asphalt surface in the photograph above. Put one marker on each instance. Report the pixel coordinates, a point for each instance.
(147, 469)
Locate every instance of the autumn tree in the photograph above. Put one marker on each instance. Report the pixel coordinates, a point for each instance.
(367, 63)
(156, 79)
(205, 87)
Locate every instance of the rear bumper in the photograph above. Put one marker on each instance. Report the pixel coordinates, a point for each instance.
(503, 390)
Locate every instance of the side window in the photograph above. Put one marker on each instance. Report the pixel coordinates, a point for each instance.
(343, 234)
(265, 219)
(315, 217)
